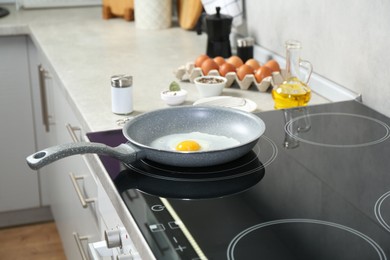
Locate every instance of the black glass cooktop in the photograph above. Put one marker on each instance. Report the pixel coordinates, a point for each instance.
(316, 186)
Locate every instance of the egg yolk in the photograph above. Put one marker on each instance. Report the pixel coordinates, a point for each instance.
(188, 146)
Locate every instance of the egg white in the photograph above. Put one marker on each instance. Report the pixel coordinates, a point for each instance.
(207, 142)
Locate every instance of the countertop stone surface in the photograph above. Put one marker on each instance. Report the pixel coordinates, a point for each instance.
(85, 51)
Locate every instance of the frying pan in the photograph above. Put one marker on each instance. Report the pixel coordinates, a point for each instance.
(245, 127)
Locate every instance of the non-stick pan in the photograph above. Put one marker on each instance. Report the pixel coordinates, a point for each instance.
(141, 131)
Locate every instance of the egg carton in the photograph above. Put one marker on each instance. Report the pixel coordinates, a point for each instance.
(189, 72)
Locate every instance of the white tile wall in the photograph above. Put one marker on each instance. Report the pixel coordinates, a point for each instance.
(347, 41)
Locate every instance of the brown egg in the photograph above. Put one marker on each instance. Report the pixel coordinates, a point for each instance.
(253, 63)
(219, 60)
(235, 60)
(273, 65)
(262, 73)
(226, 68)
(200, 60)
(244, 70)
(208, 65)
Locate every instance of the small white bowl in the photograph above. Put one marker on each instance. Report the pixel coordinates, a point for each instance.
(212, 88)
(174, 98)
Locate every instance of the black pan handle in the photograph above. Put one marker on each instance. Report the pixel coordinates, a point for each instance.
(123, 152)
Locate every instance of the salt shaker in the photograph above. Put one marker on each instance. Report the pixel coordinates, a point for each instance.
(122, 94)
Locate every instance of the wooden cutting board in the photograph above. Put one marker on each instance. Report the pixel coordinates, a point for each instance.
(189, 12)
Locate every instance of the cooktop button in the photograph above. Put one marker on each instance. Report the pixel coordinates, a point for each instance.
(174, 224)
(180, 248)
(156, 227)
(157, 208)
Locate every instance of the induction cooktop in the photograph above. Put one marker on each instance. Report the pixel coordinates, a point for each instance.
(316, 186)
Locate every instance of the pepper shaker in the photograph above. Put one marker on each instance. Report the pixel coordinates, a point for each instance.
(122, 94)
(245, 48)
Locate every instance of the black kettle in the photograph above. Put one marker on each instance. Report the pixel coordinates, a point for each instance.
(218, 27)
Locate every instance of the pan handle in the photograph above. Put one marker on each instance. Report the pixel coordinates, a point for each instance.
(124, 152)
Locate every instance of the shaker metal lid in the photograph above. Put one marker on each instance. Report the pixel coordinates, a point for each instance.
(245, 42)
(121, 81)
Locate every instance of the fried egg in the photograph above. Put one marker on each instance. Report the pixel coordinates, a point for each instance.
(188, 146)
(193, 142)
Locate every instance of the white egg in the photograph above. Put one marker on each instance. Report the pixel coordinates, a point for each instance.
(207, 142)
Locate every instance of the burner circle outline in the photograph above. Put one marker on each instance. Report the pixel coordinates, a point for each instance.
(377, 211)
(236, 239)
(288, 129)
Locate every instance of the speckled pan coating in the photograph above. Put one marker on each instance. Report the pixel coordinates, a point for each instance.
(142, 130)
(242, 126)
(123, 152)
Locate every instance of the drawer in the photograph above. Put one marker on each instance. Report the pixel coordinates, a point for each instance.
(85, 188)
(84, 233)
(74, 206)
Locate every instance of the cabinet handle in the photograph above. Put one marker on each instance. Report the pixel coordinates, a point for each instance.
(79, 245)
(44, 106)
(84, 201)
(72, 132)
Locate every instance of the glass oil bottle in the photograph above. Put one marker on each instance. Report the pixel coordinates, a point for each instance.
(294, 91)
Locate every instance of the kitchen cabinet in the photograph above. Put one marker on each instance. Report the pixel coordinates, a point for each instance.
(43, 107)
(19, 186)
(79, 203)
(71, 183)
(68, 185)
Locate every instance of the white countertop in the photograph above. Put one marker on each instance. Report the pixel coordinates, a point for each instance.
(85, 51)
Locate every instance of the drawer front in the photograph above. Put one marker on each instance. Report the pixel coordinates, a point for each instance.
(84, 187)
(74, 205)
(84, 232)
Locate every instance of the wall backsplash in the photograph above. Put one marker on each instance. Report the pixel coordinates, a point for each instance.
(346, 41)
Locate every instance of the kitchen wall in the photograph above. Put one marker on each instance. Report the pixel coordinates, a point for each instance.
(347, 41)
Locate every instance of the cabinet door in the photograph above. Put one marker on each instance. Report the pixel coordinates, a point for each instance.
(19, 187)
(43, 109)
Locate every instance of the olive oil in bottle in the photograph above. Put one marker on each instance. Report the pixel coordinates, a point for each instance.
(293, 92)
